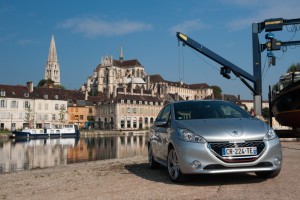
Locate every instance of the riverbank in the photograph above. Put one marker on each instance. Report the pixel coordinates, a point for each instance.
(131, 178)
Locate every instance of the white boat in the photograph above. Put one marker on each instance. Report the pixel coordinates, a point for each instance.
(62, 131)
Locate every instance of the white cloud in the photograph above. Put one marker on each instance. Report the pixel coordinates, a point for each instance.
(93, 27)
(189, 26)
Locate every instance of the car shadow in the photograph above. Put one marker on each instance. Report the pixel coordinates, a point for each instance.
(161, 175)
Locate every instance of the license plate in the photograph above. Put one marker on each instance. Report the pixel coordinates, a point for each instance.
(239, 151)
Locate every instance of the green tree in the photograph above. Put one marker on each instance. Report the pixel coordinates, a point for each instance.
(62, 113)
(294, 68)
(29, 116)
(265, 113)
(44, 82)
(217, 91)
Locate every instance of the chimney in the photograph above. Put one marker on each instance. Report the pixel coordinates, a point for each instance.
(86, 95)
(30, 86)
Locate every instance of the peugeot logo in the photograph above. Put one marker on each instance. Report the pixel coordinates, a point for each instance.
(236, 133)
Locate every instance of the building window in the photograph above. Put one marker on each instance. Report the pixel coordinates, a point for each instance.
(141, 110)
(26, 94)
(134, 102)
(122, 101)
(2, 93)
(26, 104)
(53, 117)
(3, 104)
(134, 110)
(56, 106)
(122, 123)
(39, 117)
(40, 106)
(128, 110)
(45, 117)
(14, 104)
(128, 101)
(134, 123)
(128, 122)
(140, 102)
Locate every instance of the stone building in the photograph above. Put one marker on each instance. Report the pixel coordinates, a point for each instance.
(125, 97)
(184, 91)
(112, 74)
(128, 109)
(40, 107)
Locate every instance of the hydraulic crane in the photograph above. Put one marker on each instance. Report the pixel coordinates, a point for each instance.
(272, 44)
(227, 68)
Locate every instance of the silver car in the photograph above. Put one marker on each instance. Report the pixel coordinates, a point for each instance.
(211, 137)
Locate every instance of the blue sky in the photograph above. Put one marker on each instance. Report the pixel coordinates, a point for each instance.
(87, 30)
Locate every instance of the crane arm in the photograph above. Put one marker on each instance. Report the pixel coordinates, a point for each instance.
(227, 66)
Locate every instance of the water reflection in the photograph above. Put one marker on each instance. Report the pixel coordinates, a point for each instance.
(32, 154)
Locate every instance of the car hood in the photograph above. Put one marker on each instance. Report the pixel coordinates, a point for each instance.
(227, 129)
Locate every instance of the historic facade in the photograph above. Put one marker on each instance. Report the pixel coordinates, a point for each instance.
(28, 106)
(52, 68)
(183, 90)
(112, 74)
(127, 110)
(125, 97)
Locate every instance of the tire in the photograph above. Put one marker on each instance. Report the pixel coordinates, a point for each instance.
(268, 174)
(173, 167)
(152, 163)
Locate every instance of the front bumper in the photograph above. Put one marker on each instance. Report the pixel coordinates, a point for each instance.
(210, 163)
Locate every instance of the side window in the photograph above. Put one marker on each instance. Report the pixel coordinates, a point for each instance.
(164, 113)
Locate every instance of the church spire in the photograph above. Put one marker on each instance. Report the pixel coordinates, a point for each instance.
(121, 54)
(52, 68)
(52, 51)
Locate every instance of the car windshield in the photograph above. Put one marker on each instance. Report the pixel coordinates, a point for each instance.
(208, 110)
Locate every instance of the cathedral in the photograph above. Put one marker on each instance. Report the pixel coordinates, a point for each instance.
(111, 75)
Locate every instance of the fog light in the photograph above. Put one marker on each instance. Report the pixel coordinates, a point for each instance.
(276, 161)
(196, 164)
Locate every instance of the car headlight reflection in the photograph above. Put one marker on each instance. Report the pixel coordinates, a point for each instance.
(189, 136)
(270, 135)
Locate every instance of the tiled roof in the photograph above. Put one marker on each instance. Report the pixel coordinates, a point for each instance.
(137, 98)
(104, 98)
(156, 78)
(40, 92)
(199, 86)
(127, 63)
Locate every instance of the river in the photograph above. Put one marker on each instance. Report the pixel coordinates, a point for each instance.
(42, 153)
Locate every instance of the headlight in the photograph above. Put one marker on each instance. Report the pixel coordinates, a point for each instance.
(189, 136)
(270, 135)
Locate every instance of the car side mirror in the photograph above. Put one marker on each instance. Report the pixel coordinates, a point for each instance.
(160, 122)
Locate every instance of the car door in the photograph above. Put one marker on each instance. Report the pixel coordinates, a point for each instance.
(162, 132)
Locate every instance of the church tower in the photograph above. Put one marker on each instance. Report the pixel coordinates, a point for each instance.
(52, 68)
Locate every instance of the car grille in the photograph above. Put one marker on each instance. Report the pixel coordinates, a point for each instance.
(216, 148)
